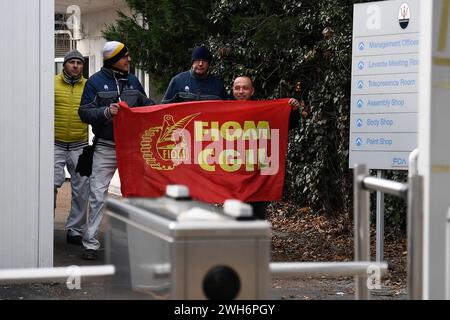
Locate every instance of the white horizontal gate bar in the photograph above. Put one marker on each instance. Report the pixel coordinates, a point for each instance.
(327, 268)
(54, 274)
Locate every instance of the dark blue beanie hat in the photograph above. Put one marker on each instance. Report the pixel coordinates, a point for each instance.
(201, 53)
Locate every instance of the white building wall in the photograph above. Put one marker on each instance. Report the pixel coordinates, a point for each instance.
(434, 144)
(26, 134)
(92, 25)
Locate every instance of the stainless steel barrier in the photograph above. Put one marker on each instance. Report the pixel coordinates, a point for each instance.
(386, 186)
(413, 192)
(361, 216)
(176, 248)
(362, 265)
(415, 237)
(330, 269)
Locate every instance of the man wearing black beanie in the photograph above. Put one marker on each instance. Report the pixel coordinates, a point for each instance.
(196, 84)
(71, 136)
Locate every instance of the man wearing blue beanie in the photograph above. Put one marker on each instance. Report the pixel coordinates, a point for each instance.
(196, 84)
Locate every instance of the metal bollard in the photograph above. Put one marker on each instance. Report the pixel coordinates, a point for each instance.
(362, 230)
(415, 237)
(447, 289)
(413, 167)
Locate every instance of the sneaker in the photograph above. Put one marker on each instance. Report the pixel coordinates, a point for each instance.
(76, 240)
(89, 254)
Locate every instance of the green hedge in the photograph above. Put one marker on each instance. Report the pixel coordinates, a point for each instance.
(291, 48)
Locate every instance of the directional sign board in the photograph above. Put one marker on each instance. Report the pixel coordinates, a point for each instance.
(385, 84)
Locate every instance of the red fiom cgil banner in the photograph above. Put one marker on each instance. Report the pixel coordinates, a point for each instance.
(219, 149)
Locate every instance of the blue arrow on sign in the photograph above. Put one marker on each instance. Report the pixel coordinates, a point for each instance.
(361, 46)
(360, 84)
(361, 65)
(359, 123)
(360, 104)
(358, 142)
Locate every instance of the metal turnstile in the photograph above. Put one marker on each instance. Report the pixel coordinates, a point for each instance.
(176, 248)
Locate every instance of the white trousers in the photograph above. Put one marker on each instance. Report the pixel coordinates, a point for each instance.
(103, 168)
(76, 220)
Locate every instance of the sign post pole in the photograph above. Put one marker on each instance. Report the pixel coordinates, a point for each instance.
(380, 222)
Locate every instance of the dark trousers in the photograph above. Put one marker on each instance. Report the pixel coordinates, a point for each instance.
(259, 209)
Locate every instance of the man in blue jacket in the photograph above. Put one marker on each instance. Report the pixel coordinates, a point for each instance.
(196, 84)
(99, 104)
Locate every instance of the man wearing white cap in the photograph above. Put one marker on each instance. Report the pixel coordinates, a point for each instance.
(99, 104)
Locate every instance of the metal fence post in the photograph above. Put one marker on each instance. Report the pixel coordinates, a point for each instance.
(413, 166)
(415, 237)
(362, 224)
(447, 261)
(380, 222)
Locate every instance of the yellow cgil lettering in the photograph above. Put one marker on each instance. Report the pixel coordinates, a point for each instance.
(250, 160)
(230, 160)
(203, 160)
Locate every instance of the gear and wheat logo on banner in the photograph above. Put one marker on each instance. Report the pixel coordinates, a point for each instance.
(219, 149)
(166, 146)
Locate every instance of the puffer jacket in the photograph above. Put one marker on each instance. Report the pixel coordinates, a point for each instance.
(68, 125)
(186, 86)
(102, 89)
